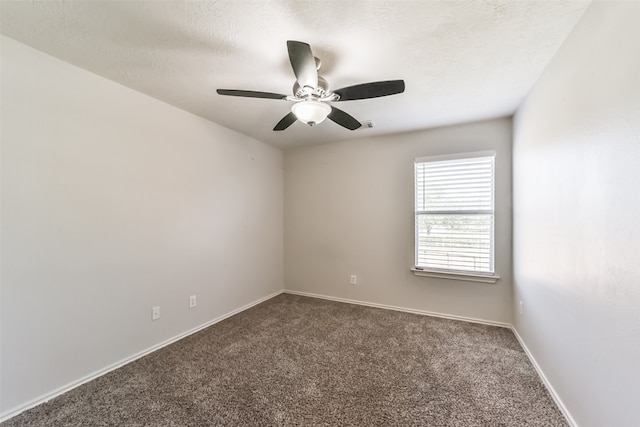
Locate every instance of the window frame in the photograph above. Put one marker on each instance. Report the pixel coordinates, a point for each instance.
(466, 275)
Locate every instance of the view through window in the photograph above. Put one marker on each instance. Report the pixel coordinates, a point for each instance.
(454, 212)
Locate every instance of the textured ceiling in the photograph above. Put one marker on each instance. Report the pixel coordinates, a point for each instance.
(461, 60)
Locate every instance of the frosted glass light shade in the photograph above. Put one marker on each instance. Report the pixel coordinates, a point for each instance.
(310, 111)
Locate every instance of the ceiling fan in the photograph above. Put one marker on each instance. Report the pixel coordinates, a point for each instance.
(311, 92)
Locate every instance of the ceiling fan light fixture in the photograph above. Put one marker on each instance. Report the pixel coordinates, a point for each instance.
(311, 92)
(310, 111)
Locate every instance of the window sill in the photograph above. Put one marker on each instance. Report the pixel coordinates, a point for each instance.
(469, 277)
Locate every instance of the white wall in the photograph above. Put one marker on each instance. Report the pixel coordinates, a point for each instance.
(349, 210)
(577, 218)
(113, 202)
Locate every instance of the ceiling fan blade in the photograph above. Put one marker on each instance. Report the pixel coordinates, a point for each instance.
(285, 122)
(251, 94)
(370, 90)
(303, 63)
(343, 119)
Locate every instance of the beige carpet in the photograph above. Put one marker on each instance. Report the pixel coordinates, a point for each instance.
(298, 361)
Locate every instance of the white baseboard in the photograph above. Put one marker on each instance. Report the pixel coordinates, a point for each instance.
(533, 361)
(404, 309)
(68, 387)
(545, 381)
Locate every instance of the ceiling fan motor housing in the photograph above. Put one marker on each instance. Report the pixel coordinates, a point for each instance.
(318, 92)
(311, 94)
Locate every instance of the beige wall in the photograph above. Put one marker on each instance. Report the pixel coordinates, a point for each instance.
(113, 202)
(349, 210)
(577, 218)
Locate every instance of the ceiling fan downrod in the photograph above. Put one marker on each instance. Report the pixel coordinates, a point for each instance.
(311, 92)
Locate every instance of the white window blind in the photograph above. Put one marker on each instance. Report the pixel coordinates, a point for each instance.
(455, 213)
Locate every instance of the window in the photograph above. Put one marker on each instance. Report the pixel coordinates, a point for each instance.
(454, 215)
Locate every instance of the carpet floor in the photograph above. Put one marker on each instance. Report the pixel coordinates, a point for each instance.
(299, 361)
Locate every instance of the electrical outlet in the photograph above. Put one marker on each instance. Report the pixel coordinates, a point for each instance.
(354, 279)
(192, 301)
(155, 313)
(521, 308)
